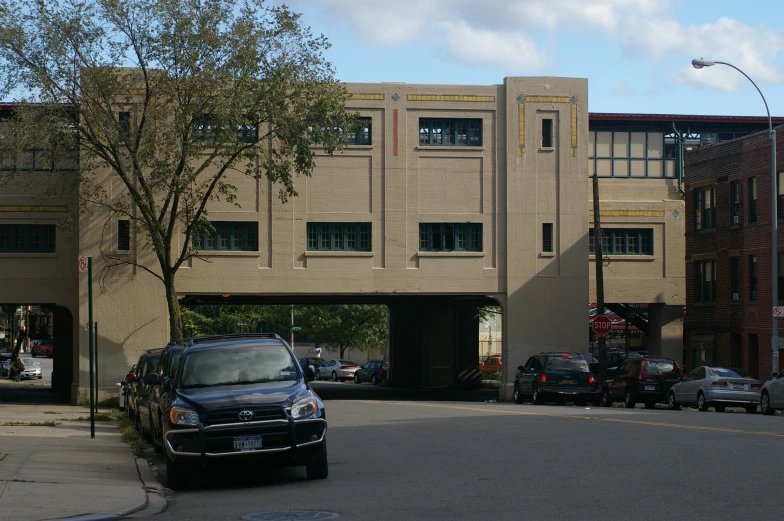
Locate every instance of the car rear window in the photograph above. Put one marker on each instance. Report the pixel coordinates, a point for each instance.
(723, 372)
(658, 366)
(557, 363)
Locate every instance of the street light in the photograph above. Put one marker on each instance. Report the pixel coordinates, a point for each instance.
(774, 331)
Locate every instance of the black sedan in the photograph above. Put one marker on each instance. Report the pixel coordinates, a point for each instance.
(374, 372)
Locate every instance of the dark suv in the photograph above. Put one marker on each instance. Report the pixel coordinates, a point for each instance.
(554, 376)
(641, 380)
(240, 398)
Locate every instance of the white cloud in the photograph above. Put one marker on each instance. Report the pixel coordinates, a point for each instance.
(479, 46)
(622, 89)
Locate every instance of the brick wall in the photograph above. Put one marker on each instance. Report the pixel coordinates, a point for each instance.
(717, 166)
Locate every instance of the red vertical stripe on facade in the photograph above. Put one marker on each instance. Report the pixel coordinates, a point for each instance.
(394, 132)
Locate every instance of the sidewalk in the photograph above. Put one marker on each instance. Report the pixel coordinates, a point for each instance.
(54, 472)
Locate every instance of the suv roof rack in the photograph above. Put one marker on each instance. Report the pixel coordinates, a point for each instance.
(233, 336)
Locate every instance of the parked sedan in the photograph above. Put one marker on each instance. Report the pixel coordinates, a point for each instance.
(772, 396)
(717, 387)
(32, 369)
(43, 347)
(337, 370)
(374, 372)
(490, 365)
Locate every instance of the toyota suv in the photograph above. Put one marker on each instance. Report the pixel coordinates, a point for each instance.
(239, 398)
(555, 376)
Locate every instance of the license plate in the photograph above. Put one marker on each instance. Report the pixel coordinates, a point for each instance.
(738, 386)
(650, 387)
(247, 443)
(567, 380)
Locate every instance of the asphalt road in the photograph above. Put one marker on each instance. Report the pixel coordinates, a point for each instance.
(407, 460)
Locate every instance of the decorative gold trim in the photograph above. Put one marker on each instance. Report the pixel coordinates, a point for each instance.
(451, 97)
(629, 213)
(29, 209)
(547, 99)
(522, 100)
(365, 96)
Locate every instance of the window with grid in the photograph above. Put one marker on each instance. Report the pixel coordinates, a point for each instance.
(624, 241)
(123, 235)
(735, 278)
(547, 133)
(450, 132)
(547, 237)
(705, 208)
(28, 238)
(450, 237)
(734, 203)
(752, 277)
(361, 135)
(124, 120)
(752, 200)
(705, 282)
(229, 236)
(630, 154)
(339, 237)
(206, 129)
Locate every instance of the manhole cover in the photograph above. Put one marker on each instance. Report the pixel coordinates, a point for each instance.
(290, 515)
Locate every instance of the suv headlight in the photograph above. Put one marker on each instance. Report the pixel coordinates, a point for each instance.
(304, 407)
(183, 416)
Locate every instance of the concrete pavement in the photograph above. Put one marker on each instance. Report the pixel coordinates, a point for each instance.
(50, 468)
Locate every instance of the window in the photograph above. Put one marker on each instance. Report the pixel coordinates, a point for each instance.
(229, 236)
(752, 200)
(450, 237)
(704, 208)
(547, 133)
(779, 197)
(734, 202)
(735, 278)
(206, 129)
(705, 282)
(547, 237)
(631, 154)
(363, 135)
(624, 241)
(752, 277)
(339, 237)
(124, 120)
(27, 238)
(450, 132)
(123, 235)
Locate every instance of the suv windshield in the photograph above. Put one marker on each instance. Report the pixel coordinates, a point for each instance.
(557, 363)
(658, 366)
(245, 364)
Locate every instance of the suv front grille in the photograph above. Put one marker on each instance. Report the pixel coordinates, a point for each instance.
(231, 415)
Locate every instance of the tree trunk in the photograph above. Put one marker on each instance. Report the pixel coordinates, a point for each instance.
(343, 351)
(175, 317)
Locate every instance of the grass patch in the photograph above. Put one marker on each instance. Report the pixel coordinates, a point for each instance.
(51, 412)
(31, 424)
(130, 435)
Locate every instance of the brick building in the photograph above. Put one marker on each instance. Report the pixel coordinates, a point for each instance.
(728, 259)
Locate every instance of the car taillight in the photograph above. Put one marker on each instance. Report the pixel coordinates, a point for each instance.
(719, 384)
(591, 380)
(756, 386)
(344, 366)
(639, 373)
(543, 378)
(382, 371)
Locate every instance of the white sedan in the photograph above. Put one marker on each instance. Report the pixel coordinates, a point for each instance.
(337, 370)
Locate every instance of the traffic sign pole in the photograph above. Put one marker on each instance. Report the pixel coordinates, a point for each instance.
(90, 347)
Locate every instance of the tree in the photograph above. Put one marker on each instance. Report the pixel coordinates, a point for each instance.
(167, 97)
(346, 326)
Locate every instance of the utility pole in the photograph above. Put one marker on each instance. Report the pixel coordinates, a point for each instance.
(598, 255)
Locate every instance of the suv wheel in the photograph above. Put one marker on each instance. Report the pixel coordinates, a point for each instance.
(628, 399)
(334, 376)
(671, 403)
(537, 396)
(318, 468)
(765, 407)
(518, 397)
(356, 378)
(606, 400)
(701, 403)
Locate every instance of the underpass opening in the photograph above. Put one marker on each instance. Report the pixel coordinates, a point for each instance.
(41, 335)
(428, 345)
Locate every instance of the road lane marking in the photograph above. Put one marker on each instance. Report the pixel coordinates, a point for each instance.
(581, 417)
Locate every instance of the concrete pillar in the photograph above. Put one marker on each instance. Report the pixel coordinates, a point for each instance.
(63, 354)
(405, 344)
(665, 331)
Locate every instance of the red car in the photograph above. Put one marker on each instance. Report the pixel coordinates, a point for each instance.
(43, 348)
(490, 365)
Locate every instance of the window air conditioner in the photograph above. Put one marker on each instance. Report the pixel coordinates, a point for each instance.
(735, 297)
(734, 219)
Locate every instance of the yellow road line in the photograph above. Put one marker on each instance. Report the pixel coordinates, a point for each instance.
(582, 417)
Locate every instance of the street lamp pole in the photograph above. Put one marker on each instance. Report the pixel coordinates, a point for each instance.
(774, 330)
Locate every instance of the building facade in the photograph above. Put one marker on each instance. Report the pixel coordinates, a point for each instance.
(728, 254)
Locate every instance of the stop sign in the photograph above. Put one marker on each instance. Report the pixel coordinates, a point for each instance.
(602, 325)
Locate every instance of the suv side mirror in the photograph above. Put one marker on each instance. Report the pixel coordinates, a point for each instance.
(152, 379)
(521, 368)
(310, 373)
(130, 377)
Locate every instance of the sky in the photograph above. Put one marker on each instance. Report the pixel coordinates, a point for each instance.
(636, 54)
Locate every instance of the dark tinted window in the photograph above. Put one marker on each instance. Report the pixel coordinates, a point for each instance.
(659, 366)
(238, 365)
(174, 359)
(701, 374)
(558, 363)
(728, 373)
(150, 364)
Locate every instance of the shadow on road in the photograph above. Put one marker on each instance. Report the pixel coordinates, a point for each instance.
(350, 391)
